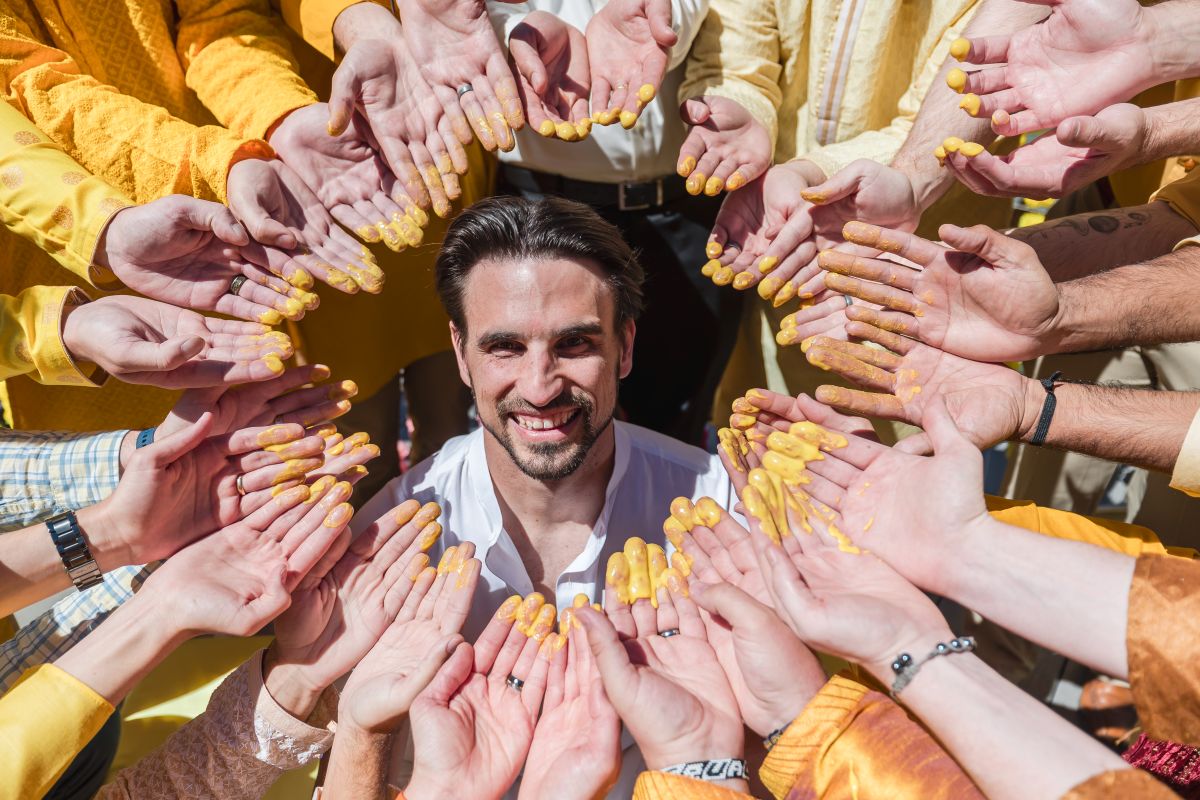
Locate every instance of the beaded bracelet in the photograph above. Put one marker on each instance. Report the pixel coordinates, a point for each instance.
(773, 737)
(715, 769)
(906, 669)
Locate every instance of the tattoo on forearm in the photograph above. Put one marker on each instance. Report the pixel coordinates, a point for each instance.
(1101, 222)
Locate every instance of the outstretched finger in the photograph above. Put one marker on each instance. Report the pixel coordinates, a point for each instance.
(871, 404)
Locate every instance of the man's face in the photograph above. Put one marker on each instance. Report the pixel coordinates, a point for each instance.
(543, 358)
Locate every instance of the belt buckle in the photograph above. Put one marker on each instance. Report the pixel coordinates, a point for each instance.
(624, 205)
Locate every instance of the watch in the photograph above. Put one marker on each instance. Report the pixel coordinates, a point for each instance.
(73, 550)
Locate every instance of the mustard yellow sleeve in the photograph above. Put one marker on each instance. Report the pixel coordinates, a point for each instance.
(737, 55)
(1132, 540)
(665, 786)
(137, 147)
(45, 720)
(239, 64)
(313, 19)
(1183, 196)
(31, 336)
(851, 741)
(1127, 784)
(947, 20)
(48, 198)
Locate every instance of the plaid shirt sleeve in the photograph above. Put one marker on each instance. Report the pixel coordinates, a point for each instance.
(45, 472)
(41, 474)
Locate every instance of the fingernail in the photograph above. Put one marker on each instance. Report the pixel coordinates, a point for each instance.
(340, 280)
(970, 103)
(639, 574)
(429, 512)
(723, 276)
(628, 119)
(742, 280)
(684, 168)
(547, 128)
(741, 421)
(710, 268)
(296, 468)
(319, 487)
(713, 186)
(367, 234)
(735, 182)
(956, 79)
(959, 48)
(695, 183)
(447, 558)
(681, 562)
(952, 143)
(713, 249)
(429, 535)
(786, 293)
(617, 575)
(566, 131)
(404, 512)
(277, 434)
(971, 149)
(674, 530)
(419, 564)
(543, 623)
(270, 317)
(300, 278)
(708, 511)
(528, 610)
(289, 450)
(339, 516)
(507, 611)
(645, 92)
(675, 582)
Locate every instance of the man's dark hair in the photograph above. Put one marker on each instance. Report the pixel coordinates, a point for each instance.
(513, 228)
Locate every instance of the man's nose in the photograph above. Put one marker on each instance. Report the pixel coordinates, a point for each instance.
(540, 380)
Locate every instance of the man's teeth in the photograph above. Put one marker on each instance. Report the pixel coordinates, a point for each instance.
(543, 423)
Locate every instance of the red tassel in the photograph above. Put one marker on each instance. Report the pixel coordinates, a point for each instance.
(1177, 765)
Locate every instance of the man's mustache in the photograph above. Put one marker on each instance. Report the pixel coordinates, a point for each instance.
(563, 402)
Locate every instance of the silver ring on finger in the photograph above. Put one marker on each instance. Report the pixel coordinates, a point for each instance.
(235, 285)
(513, 682)
(241, 487)
(466, 87)
(849, 300)
(669, 632)
(732, 245)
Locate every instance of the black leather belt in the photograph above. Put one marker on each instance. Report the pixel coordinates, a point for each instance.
(642, 196)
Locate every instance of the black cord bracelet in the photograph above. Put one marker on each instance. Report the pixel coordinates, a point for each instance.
(1051, 402)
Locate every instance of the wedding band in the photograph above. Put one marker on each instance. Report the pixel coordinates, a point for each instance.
(466, 87)
(667, 634)
(849, 300)
(235, 285)
(513, 682)
(241, 488)
(731, 245)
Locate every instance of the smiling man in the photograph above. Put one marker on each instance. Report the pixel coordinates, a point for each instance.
(543, 298)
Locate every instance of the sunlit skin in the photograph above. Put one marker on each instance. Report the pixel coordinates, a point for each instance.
(542, 348)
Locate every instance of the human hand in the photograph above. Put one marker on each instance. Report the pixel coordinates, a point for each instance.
(281, 211)
(337, 617)
(988, 299)
(725, 146)
(989, 401)
(352, 182)
(420, 142)
(629, 46)
(471, 729)
(388, 679)
(551, 62)
(670, 691)
(772, 674)
(576, 749)
(1086, 55)
(1081, 151)
(144, 341)
(186, 252)
(242, 576)
(453, 44)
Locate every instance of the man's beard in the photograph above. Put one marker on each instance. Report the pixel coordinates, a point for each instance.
(549, 461)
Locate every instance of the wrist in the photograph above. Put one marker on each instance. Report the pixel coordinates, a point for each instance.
(1034, 398)
(916, 644)
(288, 686)
(102, 531)
(101, 257)
(72, 338)
(1168, 35)
(422, 787)
(714, 745)
(365, 20)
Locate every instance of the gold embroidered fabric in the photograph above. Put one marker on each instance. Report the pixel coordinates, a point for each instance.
(1126, 784)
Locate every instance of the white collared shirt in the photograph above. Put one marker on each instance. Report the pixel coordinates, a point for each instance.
(610, 154)
(649, 471)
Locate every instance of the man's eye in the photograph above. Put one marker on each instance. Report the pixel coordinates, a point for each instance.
(504, 348)
(574, 343)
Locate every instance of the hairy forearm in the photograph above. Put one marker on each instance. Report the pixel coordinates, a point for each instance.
(359, 764)
(1010, 744)
(1141, 427)
(1139, 304)
(940, 115)
(1086, 244)
(1068, 596)
(1170, 131)
(129, 644)
(1174, 28)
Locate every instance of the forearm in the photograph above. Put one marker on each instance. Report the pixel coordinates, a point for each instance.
(1070, 597)
(1170, 131)
(1140, 304)
(114, 657)
(941, 116)
(1174, 28)
(1086, 244)
(1010, 744)
(287, 686)
(364, 20)
(358, 765)
(1141, 427)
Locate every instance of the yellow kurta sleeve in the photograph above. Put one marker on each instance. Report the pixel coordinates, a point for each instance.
(1132, 540)
(737, 55)
(664, 786)
(1127, 784)
(48, 198)
(137, 147)
(851, 741)
(1183, 196)
(239, 64)
(31, 336)
(1163, 644)
(45, 720)
(882, 144)
(313, 19)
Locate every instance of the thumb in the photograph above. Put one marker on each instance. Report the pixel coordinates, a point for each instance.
(204, 215)
(343, 93)
(612, 660)
(1088, 132)
(943, 434)
(736, 607)
(173, 447)
(992, 246)
(522, 46)
(694, 111)
(425, 672)
(451, 675)
(226, 227)
(840, 185)
(160, 356)
(658, 13)
(268, 231)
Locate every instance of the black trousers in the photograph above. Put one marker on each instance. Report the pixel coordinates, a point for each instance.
(687, 332)
(87, 772)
